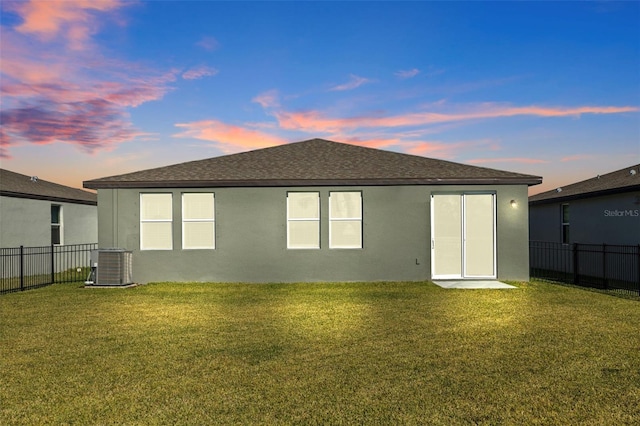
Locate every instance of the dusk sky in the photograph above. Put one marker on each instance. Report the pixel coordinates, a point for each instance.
(98, 88)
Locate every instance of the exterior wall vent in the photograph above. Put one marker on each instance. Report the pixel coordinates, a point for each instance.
(111, 267)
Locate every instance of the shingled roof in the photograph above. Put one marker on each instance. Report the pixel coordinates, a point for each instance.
(313, 162)
(623, 180)
(14, 184)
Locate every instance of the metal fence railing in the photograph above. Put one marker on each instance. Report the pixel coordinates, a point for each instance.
(24, 268)
(602, 266)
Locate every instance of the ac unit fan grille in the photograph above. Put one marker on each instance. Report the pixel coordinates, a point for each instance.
(114, 267)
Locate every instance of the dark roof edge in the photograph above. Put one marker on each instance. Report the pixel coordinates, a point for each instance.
(47, 198)
(516, 180)
(593, 194)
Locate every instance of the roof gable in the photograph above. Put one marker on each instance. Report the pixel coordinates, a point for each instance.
(14, 184)
(309, 163)
(623, 180)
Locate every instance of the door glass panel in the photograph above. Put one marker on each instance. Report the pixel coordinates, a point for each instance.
(447, 235)
(479, 234)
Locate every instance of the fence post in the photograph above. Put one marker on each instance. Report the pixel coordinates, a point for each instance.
(604, 266)
(53, 265)
(21, 268)
(576, 280)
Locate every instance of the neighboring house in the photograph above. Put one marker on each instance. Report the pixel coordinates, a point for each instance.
(317, 211)
(34, 212)
(602, 210)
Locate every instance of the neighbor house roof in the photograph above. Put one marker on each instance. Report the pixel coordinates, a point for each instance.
(14, 184)
(312, 163)
(623, 180)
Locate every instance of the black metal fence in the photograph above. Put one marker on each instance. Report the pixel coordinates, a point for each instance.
(25, 268)
(602, 266)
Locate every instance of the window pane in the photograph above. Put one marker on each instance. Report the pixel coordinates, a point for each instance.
(155, 207)
(304, 234)
(198, 235)
(156, 236)
(565, 234)
(303, 205)
(346, 234)
(345, 205)
(197, 206)
(55, 214)
(565, 213)
(55, 234)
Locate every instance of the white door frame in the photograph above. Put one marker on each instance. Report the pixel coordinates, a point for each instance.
(463, 266)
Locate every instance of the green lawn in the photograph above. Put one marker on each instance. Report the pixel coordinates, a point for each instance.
(356, 353)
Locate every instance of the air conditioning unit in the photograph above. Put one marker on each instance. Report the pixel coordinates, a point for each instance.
(111, 267)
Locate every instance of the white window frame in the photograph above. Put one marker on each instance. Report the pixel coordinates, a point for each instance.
(290, 220)
(211, 220)
(59, 225)
(333, 220)
(142, 221)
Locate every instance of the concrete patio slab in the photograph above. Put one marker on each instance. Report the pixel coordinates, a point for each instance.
(471, 284)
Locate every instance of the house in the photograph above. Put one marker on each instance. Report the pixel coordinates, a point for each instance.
(317, 211)
(35, 212)
(602, 210)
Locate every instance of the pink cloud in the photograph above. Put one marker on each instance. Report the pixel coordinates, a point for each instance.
(199, 72)
(268, 99)
(73, 20)
(90, 125)
(354, 82)
(404, 74)
(65, 95)
(317, 121)
(577, 157)
(507, 160)
(228, 137)
(450, 150)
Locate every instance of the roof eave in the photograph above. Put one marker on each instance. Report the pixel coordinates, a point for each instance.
(47, 198)
(582, 195)
(518, 180)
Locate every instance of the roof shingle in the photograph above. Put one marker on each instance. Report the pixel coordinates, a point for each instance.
(14, 184)
(311, 163)
(622, 180)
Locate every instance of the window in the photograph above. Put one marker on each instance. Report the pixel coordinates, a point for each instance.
(345, 220)
(303, 220)
(56, 224)
(156, 222)
(198, 221)
(565, 224)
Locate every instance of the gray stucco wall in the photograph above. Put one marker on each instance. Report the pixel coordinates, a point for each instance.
(612, 219)
(251, 236)
(27, 222)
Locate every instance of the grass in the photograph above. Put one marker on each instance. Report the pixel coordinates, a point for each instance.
(354, 353)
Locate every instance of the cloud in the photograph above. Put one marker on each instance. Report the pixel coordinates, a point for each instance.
(507, 160)
(440, 149)
(354, 82)
(577, 157)
(56, 93)
(208, 43)
(268, 99)
(229, 138)
(199, 72)
(91, 124)
(404, 74)
(73, 20)
(319, 122)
